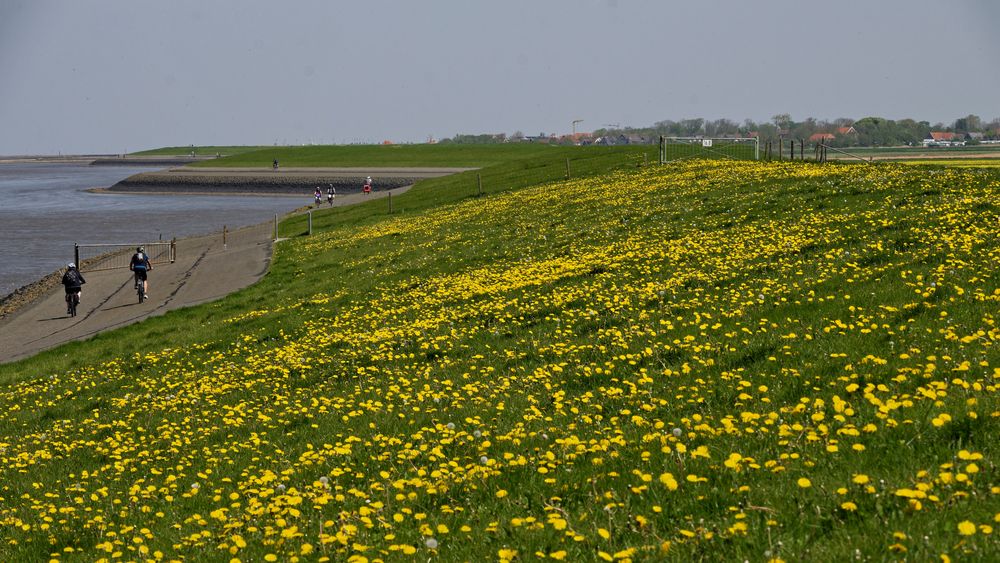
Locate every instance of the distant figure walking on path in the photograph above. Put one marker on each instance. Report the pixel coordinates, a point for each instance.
(140, 266)
(331, 193)
(72, 280)
(368, 185)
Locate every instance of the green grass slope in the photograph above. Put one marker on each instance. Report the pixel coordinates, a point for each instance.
(395, 155)
(711, 360)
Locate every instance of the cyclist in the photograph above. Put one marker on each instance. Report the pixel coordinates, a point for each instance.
(367, 188)
(72, 280)
(140, 265)
(317, 196)
(331, 193)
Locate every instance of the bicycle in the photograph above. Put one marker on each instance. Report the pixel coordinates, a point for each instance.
(140, 289)
(72, 300)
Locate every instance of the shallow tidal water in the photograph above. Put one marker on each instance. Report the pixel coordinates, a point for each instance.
(45, 209)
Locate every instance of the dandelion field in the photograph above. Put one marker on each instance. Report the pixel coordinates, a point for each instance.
(702, 361)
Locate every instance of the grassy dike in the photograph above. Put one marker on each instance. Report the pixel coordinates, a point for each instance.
(708, 360)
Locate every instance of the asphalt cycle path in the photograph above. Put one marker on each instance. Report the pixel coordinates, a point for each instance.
(204, 270)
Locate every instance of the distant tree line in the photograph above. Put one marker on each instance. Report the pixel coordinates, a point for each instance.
(868, 131)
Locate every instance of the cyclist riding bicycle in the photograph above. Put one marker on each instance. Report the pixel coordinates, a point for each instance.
(331, 193)
(140, 266)
(72, 280)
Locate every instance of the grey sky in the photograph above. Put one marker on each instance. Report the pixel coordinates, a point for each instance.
(106, 76)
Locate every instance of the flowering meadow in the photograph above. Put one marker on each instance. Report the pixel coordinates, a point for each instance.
(701, 361)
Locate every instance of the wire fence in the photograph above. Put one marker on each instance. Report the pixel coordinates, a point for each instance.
(111, 256)
(93, 257)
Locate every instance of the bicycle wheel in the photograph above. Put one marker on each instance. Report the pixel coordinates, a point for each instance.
(141, 290)
(73, 302)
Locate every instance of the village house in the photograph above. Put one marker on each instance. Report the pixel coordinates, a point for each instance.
(821, 137)
(943, 139)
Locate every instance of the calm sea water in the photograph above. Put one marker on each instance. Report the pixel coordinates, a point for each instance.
(44, 210)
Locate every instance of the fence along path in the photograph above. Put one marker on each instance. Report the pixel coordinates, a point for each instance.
(96, 257)
(205, 268)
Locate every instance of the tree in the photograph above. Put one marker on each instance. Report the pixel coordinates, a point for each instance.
(804, 129)
(692, 127)
(720, 127)
(968, 123)
(782, 120)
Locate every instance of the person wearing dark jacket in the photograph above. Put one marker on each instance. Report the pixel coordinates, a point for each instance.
(140, 266)
(72, 280)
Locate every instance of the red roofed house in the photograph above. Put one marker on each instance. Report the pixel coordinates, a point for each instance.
(846, 130)
(942, 138)
(822, 137)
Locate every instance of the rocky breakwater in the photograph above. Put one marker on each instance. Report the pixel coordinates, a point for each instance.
(269, 182)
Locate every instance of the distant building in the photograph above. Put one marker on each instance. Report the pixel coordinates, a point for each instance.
(577, 138)
(943, 139)
(941, 136)
(846, 130)
(821, 137)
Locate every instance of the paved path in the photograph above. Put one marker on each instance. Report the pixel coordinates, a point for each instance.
(204, 271)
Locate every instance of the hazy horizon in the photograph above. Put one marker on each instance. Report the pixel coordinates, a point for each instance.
(113, 76)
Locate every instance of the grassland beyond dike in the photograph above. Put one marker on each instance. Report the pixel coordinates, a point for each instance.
(702, 361)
